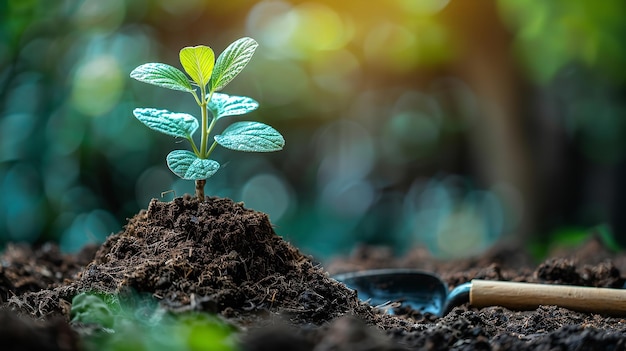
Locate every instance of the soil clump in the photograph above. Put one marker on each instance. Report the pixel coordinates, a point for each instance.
(219, 257)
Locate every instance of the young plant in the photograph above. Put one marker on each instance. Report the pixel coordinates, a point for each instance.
(134, 321)
(208, 76)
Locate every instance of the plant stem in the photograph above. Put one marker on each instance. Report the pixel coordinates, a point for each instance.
(200, 189)
(193, 146)
(208, 132)
(205, 122)
(203, 141)
(211, 148)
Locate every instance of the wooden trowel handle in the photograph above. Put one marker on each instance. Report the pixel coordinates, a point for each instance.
(527, 296)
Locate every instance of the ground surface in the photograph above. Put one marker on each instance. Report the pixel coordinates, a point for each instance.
(222, 258)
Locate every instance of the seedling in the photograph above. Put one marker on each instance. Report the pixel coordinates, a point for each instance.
(208, 76)
(137, 322)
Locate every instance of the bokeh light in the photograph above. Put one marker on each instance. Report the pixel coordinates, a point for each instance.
(88, 228)
(269, 193)
(449, 125)
(452, 217)
(97, 86)
(553, 34)
(24, 217)
(98, 17)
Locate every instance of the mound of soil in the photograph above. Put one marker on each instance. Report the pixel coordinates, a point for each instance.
(219, 257)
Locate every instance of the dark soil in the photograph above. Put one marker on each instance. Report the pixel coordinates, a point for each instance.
(219, 257)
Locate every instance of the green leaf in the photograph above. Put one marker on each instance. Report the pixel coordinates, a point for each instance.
(162, 75)
(91, 308)
(175, 124)
(232, 61)
(252, 137)
(198, 62)
(187, 165)
(222, 105)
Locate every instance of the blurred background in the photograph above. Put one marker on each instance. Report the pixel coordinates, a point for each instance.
(446, 124)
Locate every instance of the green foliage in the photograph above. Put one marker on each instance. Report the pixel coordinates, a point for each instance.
(162, 75)
(569, 237)
(222, 105)
(179, 125)
(138, 323)
(232, 61)
(186, 165)
(198, 62)
(208, 75)
(250, 136)
(552, 34)
(95, 309)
